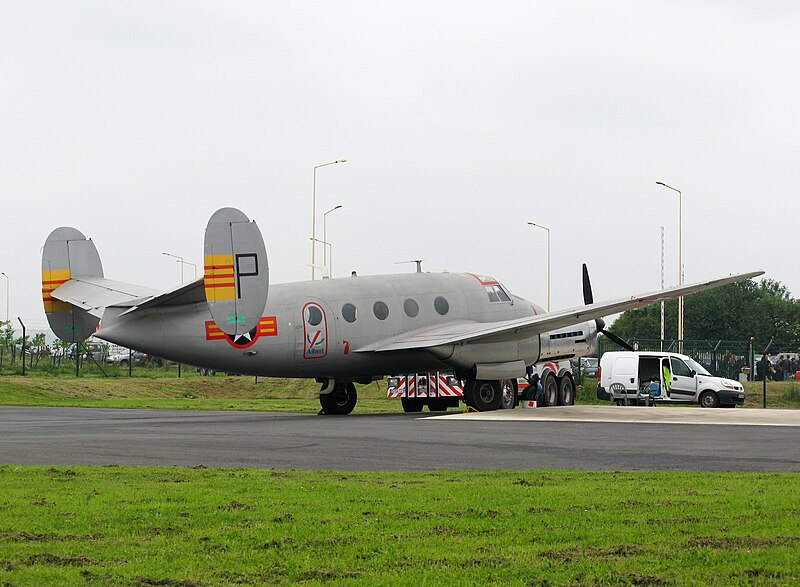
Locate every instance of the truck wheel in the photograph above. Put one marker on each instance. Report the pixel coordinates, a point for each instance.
(549, 391)
(411, 404)
(566, 392)
(509, 394)
(437, 404)
(484, 394)
(340, 401)
(709, 399)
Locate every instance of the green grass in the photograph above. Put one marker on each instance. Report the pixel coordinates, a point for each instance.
(187, 393)
(246, 394)
(179, 526)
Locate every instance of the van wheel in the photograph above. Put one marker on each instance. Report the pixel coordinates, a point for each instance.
(549, 391)
(709, 399)
(566, 392)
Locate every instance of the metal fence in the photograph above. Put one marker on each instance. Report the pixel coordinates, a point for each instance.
(723, 358)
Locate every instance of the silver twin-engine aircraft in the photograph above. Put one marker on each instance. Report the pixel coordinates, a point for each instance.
(337, 331)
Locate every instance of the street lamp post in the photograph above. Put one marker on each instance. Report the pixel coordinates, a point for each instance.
(183, 262)
(325, 240)
(314, 215)
(548, 260)
(680, 259)
(8, 289)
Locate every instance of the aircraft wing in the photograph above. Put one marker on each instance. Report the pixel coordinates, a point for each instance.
(468, 331)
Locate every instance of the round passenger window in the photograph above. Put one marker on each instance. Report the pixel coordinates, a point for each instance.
(380, 310)
(411, 308)
(313, 315)
(349, 312)
(441, 306)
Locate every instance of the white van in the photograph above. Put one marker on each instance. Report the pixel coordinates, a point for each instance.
(688, 380)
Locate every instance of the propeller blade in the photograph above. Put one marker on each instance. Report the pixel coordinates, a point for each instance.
(588, 298)
(617, 339)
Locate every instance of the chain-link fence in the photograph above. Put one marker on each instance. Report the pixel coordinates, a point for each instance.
(723, 358)
(89, 359)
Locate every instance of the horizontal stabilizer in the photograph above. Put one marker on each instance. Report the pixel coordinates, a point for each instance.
(95, 294)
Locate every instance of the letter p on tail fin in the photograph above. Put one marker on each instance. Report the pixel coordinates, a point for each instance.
(68, 254)
(236, 275)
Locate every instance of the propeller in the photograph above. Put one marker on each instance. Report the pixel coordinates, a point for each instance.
(588, 298)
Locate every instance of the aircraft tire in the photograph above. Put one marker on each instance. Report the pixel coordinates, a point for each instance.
(411, 404)
(487, 394)
(509, 394)
(340, 401)
(549, 391)
(566, 392)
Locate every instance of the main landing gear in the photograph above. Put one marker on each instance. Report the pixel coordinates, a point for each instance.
(340, 401)
(488, 394)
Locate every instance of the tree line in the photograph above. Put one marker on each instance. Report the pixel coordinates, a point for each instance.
(763, 310)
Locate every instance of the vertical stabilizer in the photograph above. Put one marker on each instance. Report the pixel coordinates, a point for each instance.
(236, 271)
(68, 254)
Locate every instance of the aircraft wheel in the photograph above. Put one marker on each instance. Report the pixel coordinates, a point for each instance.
(411, 404)
(549, 391)
(566, 392)
(509, 394)
(486, 394)
(340, 401)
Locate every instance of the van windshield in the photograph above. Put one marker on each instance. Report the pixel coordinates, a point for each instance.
(697, 367)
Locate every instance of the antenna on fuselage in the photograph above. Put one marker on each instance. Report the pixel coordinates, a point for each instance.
(417, 261)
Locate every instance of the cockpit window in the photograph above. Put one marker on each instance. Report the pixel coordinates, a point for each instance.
(497, 293)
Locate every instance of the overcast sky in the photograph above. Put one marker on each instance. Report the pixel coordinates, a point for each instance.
(460, 121)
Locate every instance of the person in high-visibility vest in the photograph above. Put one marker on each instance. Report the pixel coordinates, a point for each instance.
(667, 375)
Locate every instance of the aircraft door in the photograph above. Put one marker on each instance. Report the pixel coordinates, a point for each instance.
(315, 332)
(684, 384)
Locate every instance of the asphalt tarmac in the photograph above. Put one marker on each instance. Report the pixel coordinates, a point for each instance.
(580, 437)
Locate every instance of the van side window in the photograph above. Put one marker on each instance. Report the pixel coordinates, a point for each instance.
(679, 368)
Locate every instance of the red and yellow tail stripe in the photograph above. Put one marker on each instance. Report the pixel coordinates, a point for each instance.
(267, 326)
(220, 280)
(51, 279)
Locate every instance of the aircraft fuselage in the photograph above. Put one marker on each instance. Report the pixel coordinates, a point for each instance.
(314, 329)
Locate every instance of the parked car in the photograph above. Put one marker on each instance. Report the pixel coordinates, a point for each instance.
(645, 370)
(588, 366)
(135, 358)
(89, 350)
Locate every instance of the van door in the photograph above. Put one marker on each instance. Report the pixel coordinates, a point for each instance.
(626, 371)
(684, 384)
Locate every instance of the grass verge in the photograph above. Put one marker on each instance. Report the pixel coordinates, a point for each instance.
(191, 527)
(264, 394)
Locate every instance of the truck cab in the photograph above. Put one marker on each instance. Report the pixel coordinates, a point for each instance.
(669, 378)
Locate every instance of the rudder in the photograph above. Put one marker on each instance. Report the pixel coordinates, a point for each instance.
(236, 276)
(68, 254)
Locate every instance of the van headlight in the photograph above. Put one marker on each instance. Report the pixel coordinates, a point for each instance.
(729, 384)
